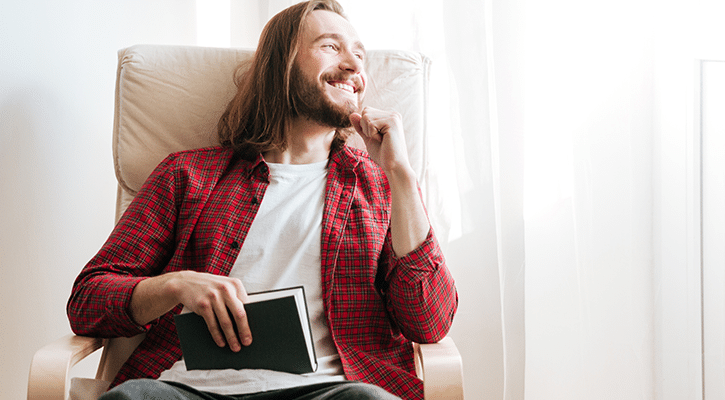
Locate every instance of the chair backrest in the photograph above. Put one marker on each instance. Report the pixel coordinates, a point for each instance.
(169, 98)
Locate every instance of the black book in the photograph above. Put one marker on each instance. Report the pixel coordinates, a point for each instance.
(281, 336)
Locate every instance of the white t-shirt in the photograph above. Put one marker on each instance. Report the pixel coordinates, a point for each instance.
(282, 249)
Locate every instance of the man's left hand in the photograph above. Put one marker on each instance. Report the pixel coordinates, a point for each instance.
(382, 132)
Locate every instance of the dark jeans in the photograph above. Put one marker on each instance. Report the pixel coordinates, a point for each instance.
(149, 389)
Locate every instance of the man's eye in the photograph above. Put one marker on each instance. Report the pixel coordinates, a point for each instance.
(330, 46)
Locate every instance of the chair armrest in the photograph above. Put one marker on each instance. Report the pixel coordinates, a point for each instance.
(440, 367)
(50, 369)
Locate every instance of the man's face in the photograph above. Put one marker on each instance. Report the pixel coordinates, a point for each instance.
(328, 80)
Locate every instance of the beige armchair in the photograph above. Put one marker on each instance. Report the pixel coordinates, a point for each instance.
(168, 98)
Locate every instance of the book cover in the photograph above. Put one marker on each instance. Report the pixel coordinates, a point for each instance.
(281, 336)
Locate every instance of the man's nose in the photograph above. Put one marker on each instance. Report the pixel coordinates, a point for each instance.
(351, 62)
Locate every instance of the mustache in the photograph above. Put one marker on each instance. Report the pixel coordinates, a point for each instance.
(357, 80)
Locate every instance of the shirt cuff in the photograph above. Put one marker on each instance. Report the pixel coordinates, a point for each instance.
(118, 306)
(425, 259)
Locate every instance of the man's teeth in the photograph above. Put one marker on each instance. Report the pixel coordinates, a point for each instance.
(344, 87)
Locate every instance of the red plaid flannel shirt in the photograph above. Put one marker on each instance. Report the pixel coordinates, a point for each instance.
(194, 212)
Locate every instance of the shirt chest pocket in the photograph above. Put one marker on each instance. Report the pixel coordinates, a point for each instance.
(362, 243)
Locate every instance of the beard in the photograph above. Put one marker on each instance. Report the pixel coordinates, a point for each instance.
(310, 101)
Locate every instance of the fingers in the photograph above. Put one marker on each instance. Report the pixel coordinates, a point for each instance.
(219, 301)
(374, 124)
(382, 132)
(232, 317)
(239, 315)
(369, 122)
(222, 328)
(356, 119)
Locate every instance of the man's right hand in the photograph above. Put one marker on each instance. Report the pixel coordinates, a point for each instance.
(218, 299)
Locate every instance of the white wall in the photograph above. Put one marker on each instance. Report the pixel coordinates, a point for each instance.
(57, 189)
(687, 32)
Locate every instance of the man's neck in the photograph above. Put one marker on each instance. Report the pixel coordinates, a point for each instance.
(307, 142)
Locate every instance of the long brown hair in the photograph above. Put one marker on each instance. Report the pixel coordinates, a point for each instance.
(257, 118)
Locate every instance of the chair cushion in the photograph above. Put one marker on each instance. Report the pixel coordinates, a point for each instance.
(169, 98)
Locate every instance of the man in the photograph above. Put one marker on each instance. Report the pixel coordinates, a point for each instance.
(283, 202)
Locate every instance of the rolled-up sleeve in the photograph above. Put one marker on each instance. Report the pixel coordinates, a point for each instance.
(421, 294)
(139, 247)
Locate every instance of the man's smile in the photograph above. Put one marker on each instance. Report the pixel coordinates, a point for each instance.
(347, 86)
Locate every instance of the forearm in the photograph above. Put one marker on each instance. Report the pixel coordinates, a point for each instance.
(409, 223)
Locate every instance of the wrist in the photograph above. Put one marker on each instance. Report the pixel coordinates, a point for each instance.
(401, 174)
(155, 296)
(172, 286)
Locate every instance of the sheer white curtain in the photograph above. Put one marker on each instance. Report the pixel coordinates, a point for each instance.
(589, 199)
(479, 161)
(549, 108)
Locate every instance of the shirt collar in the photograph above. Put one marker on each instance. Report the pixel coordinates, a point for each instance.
(342, 157)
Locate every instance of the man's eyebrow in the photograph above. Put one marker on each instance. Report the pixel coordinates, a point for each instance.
(340, 38)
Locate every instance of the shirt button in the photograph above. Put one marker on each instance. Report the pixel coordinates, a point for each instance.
(234, 245)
